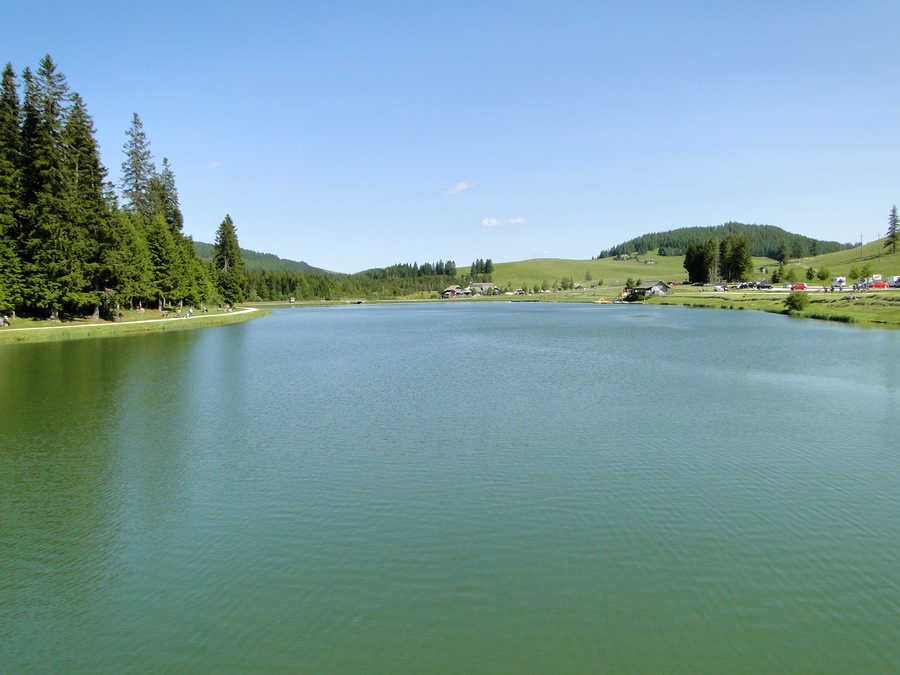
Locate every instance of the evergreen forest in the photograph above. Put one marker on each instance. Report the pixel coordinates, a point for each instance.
(764, 240)
(74, 244)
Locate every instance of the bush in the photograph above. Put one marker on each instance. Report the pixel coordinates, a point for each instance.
(797, 301)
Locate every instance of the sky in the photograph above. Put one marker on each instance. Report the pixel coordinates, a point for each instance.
(361, 134)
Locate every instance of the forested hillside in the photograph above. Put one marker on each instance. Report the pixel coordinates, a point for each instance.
(254, 260)
(765, 241)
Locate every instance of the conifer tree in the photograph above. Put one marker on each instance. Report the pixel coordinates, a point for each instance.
(10, 269)
(88, 217)
(137, 169)
(126, 259)
(163, 196)
(890, 240)
(44, 246)
(229, 265)
(163, 260)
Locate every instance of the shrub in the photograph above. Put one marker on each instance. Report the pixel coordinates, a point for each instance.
(797, 301)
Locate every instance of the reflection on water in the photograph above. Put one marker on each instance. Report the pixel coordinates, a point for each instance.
(458, 487)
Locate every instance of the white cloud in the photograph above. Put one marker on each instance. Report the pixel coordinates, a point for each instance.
(461, 186)
(215, 164)
(497, 222)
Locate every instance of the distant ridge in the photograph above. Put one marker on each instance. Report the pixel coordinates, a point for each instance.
(764, 240)
(268, 262)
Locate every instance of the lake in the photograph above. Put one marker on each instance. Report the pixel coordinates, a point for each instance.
(459, 487)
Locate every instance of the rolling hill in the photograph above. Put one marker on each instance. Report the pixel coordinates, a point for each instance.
(764, 240)
(612, 272)
(839, 263)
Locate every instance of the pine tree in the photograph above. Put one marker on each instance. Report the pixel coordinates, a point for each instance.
(164, 254)
(891, 240)
(137, 169)
(229, 265)
(10, 268)
(43, 241)
(88, 216)
(126, 259)
(163, 197)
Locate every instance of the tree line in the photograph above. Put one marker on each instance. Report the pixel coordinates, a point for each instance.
(67, 246)
(72, 243)
(728, 259)
(764, 240)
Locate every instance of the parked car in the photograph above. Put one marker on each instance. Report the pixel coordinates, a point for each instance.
(798, 287)
(878, 284)
(761, 286)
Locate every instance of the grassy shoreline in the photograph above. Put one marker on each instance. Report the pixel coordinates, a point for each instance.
(870, 309)
(46, 331)
(873, 309)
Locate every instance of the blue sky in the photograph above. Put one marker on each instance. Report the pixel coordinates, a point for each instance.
(353, 135)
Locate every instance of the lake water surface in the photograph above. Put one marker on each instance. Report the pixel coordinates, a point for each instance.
(496, 487)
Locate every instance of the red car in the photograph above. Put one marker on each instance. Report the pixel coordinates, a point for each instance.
(878, 284)
(798, 287)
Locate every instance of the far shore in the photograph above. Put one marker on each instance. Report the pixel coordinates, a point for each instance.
(866, 309)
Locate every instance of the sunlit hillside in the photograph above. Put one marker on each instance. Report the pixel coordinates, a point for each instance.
(840, 263)
(528, 273)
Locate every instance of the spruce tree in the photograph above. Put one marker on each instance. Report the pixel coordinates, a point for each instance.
(44, 245)
(10, 268)
(137, 169)
(163, 256)
(890, 240)
(88, 217)
(229, 265)
(163, 196)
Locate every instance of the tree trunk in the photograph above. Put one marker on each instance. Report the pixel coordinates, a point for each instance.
(96, 315)
(54, 315)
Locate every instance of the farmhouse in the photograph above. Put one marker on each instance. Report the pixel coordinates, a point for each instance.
(485, 288)
(650, 288)
(452, 291)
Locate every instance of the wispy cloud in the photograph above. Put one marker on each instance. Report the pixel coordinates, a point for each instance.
(497, 222)
(215, 164)
(461, 186)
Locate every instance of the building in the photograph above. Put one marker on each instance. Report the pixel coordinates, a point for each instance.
(650, 288)
(452, 291)
(484, 288)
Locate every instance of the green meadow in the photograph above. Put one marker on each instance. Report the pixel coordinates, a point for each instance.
(528, 273)
(839, 263)
(878, 308)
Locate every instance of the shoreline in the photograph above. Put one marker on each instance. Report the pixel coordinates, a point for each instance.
(873, 309)
(120, 329)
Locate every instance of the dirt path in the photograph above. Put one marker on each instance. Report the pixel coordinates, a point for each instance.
(131, 323)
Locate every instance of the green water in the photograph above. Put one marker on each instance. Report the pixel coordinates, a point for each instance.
(496, 488)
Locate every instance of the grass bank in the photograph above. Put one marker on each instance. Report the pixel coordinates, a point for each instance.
(879, 309)
(24, 330)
